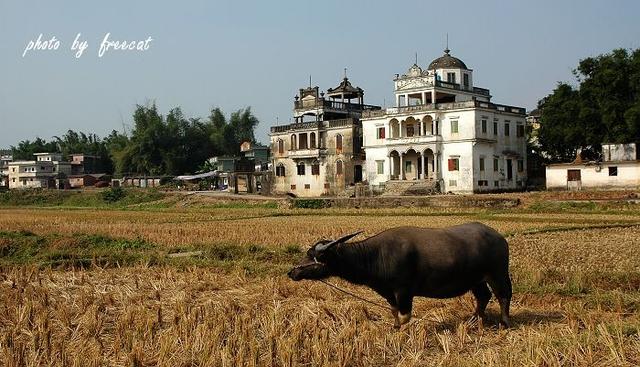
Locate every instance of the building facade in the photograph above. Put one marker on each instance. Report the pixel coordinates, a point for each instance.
(445, 132)
(47, 171)
(320, 152)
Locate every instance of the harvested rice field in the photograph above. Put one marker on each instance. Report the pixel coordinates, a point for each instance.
(207, 286)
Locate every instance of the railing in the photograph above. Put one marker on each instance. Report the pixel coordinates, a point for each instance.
(448, 85)
(416, 139)
(341, 122)
(307, 153)
(298, 126)
(482, 91)
(313, 125)
(455, 86)
(444, 106)
(336, 105)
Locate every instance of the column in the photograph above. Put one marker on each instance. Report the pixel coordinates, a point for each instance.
(406, 99)
(390, 165)
(401, 172)
(433, 95)
(425, 167)
(424, 98)
(397, 100)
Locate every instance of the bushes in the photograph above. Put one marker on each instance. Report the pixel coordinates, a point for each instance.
(310, 203)
(113, 194)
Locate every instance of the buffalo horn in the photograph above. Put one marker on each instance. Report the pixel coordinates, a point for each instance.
(346, 238)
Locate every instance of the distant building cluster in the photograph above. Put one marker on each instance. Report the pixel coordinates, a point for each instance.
(50, 170)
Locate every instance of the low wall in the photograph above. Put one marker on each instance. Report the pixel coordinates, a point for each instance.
(442, 201)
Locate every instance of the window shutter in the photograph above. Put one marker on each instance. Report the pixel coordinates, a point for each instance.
(452, 165)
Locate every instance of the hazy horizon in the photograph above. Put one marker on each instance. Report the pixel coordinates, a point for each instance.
(231, 55)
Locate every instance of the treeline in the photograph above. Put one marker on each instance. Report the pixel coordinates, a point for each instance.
(603, 108)
(157, 145)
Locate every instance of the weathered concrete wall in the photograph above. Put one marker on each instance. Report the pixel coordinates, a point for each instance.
(420, 202)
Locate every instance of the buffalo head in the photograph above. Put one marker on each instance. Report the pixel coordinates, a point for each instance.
(317, 262)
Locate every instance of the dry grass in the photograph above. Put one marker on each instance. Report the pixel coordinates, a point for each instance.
(577, 299)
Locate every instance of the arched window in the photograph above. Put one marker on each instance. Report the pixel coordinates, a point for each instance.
(315, 168)
(301, 169)
(302, 141)
(339, 168)
(312, 141)
(338, 143)
(280, 170)
(294, 144)
(280, 146)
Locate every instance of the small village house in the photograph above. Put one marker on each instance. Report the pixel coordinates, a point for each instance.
(619, 168)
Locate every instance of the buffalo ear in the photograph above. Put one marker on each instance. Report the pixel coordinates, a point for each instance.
(325, 246)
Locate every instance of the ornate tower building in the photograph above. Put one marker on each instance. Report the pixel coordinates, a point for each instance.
(320, 152)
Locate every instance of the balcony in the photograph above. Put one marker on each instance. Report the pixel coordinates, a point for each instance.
(331, 104)
(307, 153)
(300, 126)
(416, 139)
(443, 107)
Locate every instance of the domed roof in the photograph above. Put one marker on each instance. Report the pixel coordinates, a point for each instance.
(447, 62)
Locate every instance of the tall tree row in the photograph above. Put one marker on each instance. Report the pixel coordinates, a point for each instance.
(157, 145)
(603, 108)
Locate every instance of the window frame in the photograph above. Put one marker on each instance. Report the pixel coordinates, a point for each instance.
(380, 167)
(457, 127)
(453, 164)
(302, 166)
(339, 168)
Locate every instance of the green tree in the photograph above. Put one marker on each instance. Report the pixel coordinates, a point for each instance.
(604, 108)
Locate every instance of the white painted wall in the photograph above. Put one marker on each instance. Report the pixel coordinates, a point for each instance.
(628, 175)
(469, 144)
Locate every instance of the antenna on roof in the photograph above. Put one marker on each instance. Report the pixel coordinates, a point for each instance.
(446, 50)
(309, 80)
(345, 73)
(416, 58)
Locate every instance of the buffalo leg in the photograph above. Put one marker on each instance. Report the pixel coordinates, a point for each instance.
(390, 297)
(482, 294)
(502, 290)
(405, 303)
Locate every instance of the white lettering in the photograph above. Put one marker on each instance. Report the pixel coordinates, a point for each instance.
(80, 46)
(107, 45)
(39, 44)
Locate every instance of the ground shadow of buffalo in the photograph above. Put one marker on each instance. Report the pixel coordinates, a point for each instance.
(492, 320)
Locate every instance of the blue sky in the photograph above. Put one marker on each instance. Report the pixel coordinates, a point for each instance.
(233, 54)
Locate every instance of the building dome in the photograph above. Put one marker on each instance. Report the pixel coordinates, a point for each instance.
(447, 62)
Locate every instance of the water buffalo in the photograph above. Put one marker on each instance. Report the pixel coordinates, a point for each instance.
(404, 262)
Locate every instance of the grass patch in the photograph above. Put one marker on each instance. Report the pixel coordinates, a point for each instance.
(112, 197)
(19, 248)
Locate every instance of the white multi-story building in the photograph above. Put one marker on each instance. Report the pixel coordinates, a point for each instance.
(47, 171)
(445, 132)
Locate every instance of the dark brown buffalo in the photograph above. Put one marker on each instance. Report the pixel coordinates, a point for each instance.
(404, 262)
